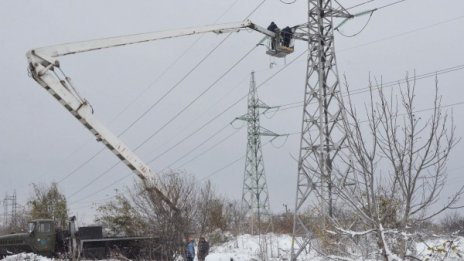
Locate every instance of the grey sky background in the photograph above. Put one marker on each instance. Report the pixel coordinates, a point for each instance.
(40, 142)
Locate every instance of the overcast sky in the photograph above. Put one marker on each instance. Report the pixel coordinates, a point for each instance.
(40, 142)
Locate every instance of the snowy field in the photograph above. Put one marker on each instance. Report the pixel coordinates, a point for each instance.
(247, 248)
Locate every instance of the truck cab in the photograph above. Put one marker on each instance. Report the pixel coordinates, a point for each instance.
(42, 236)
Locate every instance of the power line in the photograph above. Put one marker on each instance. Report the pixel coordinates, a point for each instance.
(94, 180)
(185, 76)
(195, 120)
(188, 74)
(176, 85)
(215, 172)
(256, 8)
(172, 65)
(404, 33)
(370, 12)
(104, 188)
(198, 146)
(196, 98)
(358, 5)
(210, 148)
(207, 89)
(447, 70)
(391, 4)
(387, 84)
(81, 165)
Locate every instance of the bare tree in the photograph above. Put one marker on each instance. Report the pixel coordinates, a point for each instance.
(212, 210)
(139, 212)
(142, 212)
(397, 171)
(453, 223)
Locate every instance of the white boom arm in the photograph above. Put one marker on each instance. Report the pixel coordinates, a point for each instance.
(45, 68)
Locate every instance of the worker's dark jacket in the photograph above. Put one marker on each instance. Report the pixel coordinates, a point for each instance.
(203, 249)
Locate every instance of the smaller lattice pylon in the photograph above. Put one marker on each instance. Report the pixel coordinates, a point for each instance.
(255, 204)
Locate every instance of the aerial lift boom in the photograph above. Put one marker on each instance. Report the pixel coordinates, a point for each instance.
(45, 69)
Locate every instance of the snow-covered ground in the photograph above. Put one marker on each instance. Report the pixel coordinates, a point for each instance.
(247, 248)
(23, 256)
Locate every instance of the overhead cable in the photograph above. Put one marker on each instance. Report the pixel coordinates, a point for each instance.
(358, 5)
(210, 148)
(198, 146)
(196, 99)
(215, 172)
(404, 33)
(293, 105)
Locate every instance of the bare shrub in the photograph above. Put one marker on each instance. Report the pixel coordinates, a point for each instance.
(397, 168)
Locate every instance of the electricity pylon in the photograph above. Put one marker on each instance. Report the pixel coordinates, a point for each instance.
(255, 196)
(10, 215)
(322, 135)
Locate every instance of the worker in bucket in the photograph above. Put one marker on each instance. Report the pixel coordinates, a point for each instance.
(287, 35)
(275, 29)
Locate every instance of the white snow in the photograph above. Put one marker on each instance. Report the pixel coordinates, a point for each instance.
(247, 247)
(24, 256)
(441, 248)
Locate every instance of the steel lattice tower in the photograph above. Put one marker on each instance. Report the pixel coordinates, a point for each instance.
(9, 217)
(255, 195)
(321, 135)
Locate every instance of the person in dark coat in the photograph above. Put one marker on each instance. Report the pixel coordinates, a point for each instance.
(203, 249)
(190, 250)
(287, 35)
(273, 28)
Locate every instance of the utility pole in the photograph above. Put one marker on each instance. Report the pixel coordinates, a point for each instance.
(10, 210)
(5, 211)
(322, 136)
(255, 195)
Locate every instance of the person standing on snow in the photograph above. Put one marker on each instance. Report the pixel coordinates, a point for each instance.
(203, 249)
(190, 250)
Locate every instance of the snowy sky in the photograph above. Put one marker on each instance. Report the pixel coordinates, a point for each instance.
(41, 142)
